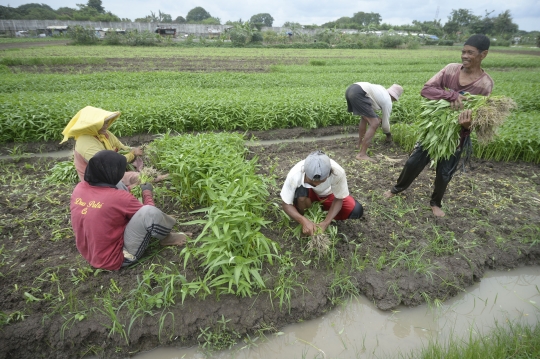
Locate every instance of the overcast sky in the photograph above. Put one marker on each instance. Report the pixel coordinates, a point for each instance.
(525, 13)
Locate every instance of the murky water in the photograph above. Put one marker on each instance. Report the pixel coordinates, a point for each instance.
(359, 330)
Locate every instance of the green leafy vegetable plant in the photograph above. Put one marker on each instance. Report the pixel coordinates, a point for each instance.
(210, 170)
(63, 172)
(438, 127)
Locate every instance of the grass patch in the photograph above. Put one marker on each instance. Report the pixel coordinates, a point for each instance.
(512, 340)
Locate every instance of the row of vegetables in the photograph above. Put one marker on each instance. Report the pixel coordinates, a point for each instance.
(36, 107)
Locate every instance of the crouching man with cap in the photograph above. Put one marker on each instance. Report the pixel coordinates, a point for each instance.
(318, 178)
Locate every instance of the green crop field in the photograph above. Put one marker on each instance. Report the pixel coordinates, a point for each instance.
(245, 250)
(42, 88)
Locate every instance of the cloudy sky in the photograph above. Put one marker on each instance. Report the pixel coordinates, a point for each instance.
(525, 13)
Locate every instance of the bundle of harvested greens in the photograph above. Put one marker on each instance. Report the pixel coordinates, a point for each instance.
(320, 242)
(489, 116)
(438, 126)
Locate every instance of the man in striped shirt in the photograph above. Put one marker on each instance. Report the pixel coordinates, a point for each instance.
(450, 84)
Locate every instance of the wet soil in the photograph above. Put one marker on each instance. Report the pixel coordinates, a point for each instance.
(398, 253)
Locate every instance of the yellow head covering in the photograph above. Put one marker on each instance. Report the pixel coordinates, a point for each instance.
(89, 121)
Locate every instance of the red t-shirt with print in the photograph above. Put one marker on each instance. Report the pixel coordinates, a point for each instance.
(99, 216)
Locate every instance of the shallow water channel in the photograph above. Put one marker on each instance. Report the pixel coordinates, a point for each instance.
(359, 330)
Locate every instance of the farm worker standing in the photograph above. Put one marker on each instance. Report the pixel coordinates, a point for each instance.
(89, 127)
(363, 99)
(449, 84)
(112, 228)
(318, 178)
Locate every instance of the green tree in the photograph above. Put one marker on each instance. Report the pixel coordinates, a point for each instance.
(482, 26)
(9, 13)
(212, 21)
(263, 19)
(153, 17)
(232, 23)
(462, 17)
(180, 20)
(167, 18)
(504, 26)
(65, 13)
(451, 28)
(429, 27)
(147, 18)
(365, 19)
(35, 11)
(242, 33)
(343, 22)
(291, 25)
(40, 14)
(96, 4)
(87, 13)
(197, 14)
(460, 20)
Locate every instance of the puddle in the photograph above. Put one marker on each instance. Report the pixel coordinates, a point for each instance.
(359, 330)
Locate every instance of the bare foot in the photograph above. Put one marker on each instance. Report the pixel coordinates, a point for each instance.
(365, 158)
(388, 194)
(175, 239)
(437, 211)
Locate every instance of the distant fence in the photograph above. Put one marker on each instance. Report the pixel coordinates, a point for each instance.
(13, 26)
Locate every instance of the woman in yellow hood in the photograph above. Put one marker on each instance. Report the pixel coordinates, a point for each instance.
(89, 127)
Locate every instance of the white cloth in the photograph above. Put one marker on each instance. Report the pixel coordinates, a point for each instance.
(336, 183)
(380, 101)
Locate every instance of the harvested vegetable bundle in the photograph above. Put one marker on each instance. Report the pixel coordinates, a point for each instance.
(320, 242)
(489, 116)
(438, 126)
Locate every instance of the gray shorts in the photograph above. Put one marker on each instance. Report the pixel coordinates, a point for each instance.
(146, 223)
(358, 103)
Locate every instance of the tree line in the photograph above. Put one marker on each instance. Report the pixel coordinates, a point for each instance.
(460, 23)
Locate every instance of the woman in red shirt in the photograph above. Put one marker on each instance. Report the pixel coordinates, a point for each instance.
(112, 228)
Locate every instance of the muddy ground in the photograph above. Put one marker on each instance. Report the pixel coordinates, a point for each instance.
(397, 254)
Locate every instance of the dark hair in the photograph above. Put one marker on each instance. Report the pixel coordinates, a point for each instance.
(481, 42)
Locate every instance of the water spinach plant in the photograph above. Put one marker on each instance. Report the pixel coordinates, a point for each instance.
(211, 171)
(438, 128)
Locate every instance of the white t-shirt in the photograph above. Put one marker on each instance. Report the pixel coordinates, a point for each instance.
(336, 183)
(380, 101)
